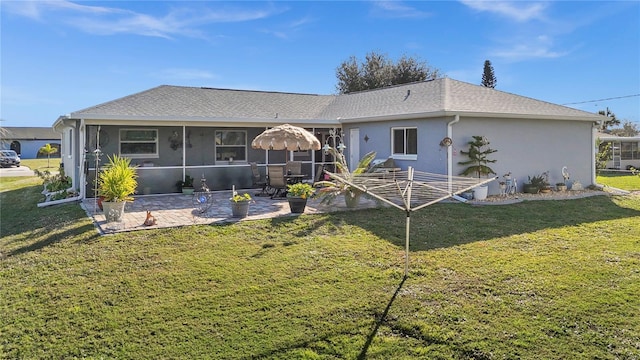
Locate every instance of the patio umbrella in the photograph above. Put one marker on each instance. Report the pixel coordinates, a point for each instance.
(286, 137)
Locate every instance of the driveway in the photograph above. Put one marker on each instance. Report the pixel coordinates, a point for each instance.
(16, 171)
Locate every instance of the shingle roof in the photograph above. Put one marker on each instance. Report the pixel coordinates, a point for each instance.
(445, 96)
(428, 98)
(31, 133)
(208, 103)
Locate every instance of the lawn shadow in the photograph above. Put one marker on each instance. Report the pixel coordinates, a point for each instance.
(69, 233)
(380, 321)
(451, 224)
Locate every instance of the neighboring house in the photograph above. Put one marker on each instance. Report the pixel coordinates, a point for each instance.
(172, 130)
(625, 151)
(27, 141)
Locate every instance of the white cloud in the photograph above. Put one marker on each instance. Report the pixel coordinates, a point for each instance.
(514, 10)
(110, 20)
(397, 9)
(540, 47)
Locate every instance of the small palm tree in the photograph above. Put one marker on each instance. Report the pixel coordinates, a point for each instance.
(330, 189)
(47, 149)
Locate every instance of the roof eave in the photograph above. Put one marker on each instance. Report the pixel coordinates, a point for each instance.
(447, 113)
(94, 119)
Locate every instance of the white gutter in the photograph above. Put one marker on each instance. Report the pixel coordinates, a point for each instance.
(443, 113)
(95, 119)
(456, 119)
(594, 153)
(81, 133)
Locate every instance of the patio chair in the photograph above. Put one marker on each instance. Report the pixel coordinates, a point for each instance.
(294, 168)
(258, 181)
(276, 180)
(319, 173)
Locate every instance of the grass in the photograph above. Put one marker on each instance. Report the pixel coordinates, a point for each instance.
(624, 181)
(534, 280)
(41, 164)
(12, 183)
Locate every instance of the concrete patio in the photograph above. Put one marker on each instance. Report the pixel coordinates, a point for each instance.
(172, 210)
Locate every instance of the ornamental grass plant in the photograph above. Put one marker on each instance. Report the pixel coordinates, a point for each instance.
(118, 181)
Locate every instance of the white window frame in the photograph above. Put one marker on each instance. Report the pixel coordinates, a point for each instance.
(403, 156)
(215, 137)
(143, 155)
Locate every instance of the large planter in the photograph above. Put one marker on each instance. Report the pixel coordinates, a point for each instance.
(113, 210)
(188, 190)
(297, 204)
(239, 209)
(481, 192)
(352, 199)
(530, 189)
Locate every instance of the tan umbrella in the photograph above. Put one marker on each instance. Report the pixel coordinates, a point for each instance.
(286, 137)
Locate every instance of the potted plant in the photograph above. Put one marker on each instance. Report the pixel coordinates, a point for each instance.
(240, 205)
(478, 154)
(561, 186)
(545, 187)
(186, 186)
(330, 189)
(533, 185)
(297, 196)
(116, 184)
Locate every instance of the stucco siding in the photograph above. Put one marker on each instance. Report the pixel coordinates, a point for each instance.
(530, 147)
(431, 157)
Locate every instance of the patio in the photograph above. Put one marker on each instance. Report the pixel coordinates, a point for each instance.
(171, 210)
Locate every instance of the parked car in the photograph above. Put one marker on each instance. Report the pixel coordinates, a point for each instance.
(8, 158)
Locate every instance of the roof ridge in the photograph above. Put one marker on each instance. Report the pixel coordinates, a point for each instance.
(390, 87)
(259, 91)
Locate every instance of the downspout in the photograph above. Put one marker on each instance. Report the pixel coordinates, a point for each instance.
(450, 151)
(594, 153)
(184, 151)
(61, 201)
(81, 149)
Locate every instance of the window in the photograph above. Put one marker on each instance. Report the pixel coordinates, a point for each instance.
(629, 151)
(404, 143)
(139, 143)
(231, 144)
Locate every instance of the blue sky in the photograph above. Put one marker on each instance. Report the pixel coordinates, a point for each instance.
(61, 56)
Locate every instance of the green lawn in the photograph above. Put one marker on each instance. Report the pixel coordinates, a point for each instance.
(534, 280)
(624, 181)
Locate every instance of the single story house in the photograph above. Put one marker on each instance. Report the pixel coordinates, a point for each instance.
(625, 151)
(170, 131)
(27, 141)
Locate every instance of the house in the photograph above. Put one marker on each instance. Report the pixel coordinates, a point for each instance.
(170, 131)
(27, 141)
(625, 151)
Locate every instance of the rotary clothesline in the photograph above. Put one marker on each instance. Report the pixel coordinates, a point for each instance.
(409, 190)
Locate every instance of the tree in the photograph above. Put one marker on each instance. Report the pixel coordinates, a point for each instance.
(488, 76)
(478, 154)
(47, 149)
(604, 154)
(379, 71)
(628, 129)
(612, 121)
